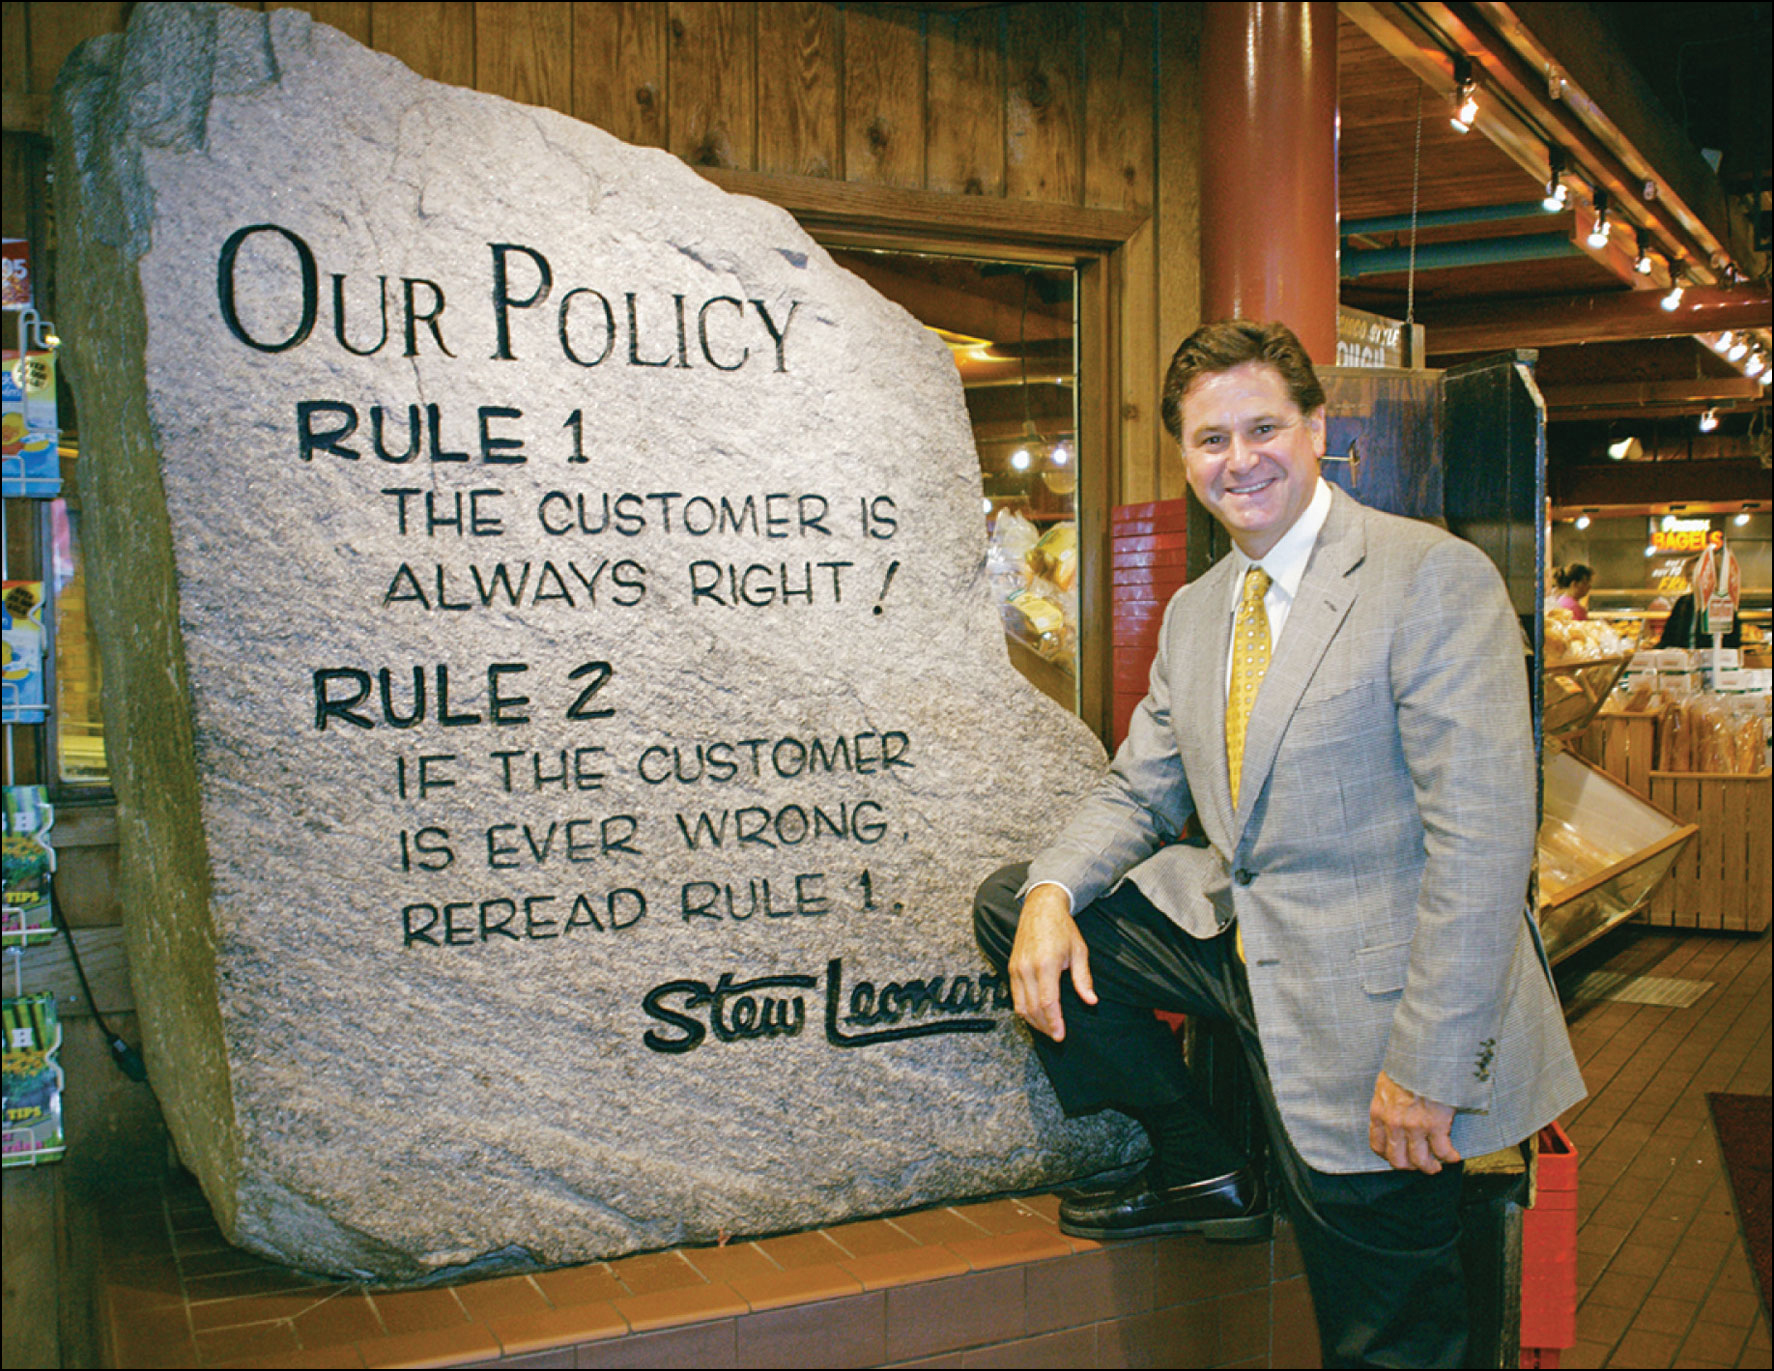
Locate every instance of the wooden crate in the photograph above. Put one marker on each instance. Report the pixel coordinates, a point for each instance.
(1623, 745)
(1725, 879)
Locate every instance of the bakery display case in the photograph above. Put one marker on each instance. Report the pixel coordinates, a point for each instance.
(1572, 693)
(1603, 851)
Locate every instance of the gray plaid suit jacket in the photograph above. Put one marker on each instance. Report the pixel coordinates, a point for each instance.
(1378, 860)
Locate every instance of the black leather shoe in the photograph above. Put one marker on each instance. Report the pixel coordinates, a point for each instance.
(1229, 1208)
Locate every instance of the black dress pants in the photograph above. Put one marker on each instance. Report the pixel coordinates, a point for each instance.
(1381, 1248)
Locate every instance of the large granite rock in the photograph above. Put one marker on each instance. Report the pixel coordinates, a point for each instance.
(559, 722)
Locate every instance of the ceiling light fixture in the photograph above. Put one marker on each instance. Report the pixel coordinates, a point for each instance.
(1738, 350)
(1600, 227)
(1465, 96)
(1556, 194)
(1642, 263)
(1741, 519)
(1582, 521)
(1756, 364)
(1709, 421)
(1674, 298)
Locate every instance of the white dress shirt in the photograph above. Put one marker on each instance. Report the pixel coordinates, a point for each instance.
(1286, 565)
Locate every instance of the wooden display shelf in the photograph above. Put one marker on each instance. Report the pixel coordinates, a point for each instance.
(1725, 879)
(1623, 745)
(1649, 840)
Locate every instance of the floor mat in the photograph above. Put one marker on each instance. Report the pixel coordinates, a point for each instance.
(1745, 1126)
(1672, 992)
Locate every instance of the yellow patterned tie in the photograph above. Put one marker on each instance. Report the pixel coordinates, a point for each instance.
(1250, 659)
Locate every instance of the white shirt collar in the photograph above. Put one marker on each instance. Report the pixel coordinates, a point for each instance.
(1286, 561)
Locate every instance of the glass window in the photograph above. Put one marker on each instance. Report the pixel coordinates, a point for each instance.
(1011, 328)
(79, 726)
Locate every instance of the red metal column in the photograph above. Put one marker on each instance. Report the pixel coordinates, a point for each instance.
(1269, 167)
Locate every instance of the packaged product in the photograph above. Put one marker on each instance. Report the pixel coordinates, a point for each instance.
(1567, 857)
(31, 1082)
(29, 864)
(1675, 746)
(1642, 696)
(30, 460)
(21, 629)
(1749, 740)
(1568, 640)
(1714, 749)
(1055, 556)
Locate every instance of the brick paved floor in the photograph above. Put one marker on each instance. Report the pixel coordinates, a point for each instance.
(1662, 1275)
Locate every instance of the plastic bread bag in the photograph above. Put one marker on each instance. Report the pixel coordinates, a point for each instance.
(1674, 751)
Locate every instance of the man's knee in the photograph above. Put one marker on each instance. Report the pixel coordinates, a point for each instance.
(995, 912)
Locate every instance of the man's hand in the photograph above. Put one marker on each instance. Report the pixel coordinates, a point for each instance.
(1047, 943)
(1409, 1131)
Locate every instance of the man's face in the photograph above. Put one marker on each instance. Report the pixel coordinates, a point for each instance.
(1250, 455)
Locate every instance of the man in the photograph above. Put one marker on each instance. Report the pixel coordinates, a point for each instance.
(1341, 704)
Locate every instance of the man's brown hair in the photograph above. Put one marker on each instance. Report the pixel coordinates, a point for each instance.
(1229, 343)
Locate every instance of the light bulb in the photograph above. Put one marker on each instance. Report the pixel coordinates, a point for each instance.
(1020, 459)
(1466, 112)
(1582, 521)
(1741, 519)
(1709, 421)
(1556, 196)
(1723, 342)
(1739, 349)
(1642, 265)
(1060, 455)
(1598, 231)
(1651, 550)
(1755, 366)
(1674, 298)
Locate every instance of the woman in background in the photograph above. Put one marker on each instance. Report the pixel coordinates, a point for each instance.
(1572, 583)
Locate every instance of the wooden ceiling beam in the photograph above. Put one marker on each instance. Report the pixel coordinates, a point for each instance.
(1522, 116)
(1604, 318)
(1601, 87)
(1733, 482)
(1635, 413)
(1700, 391)
(1399, 32)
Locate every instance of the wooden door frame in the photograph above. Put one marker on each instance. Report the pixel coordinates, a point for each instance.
(1091, 241)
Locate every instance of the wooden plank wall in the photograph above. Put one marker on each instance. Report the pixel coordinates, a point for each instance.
(1083, 105)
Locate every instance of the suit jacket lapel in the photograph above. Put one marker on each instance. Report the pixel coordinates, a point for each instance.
(1201, 703)
(1326, 592)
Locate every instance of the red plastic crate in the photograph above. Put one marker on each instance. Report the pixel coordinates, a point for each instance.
(1549, 1253)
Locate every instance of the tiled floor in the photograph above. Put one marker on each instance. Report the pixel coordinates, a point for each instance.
(1663, 1280)
(1662, 1276)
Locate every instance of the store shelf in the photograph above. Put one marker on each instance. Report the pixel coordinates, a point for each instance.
(1603, 851)
(1574, 692)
